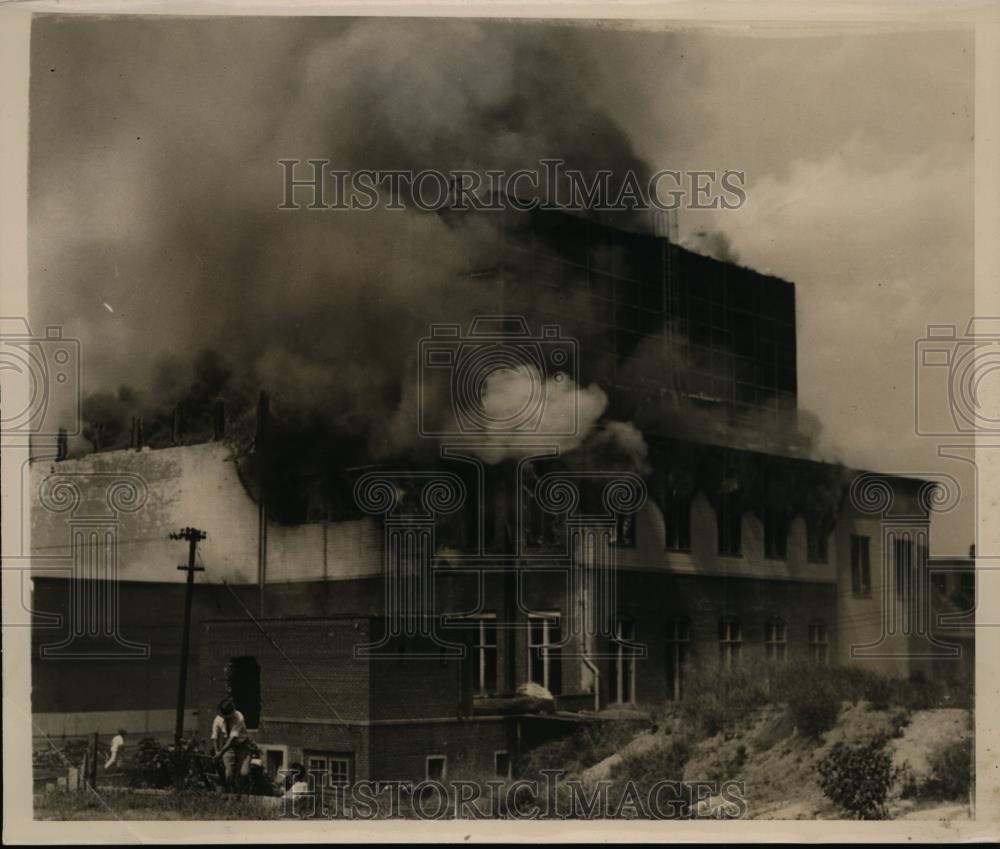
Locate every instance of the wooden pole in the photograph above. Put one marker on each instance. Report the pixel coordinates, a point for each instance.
(193, 537)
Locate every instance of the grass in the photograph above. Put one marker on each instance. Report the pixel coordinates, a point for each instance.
(126, 804)
(718, 700)
(588, 745)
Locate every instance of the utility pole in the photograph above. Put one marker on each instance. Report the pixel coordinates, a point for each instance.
(193, 537)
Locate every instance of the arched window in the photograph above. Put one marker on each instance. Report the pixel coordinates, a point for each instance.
(775, 534)
(730, 641)
(677, 522)
(775, 639)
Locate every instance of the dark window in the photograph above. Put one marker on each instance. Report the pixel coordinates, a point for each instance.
(501, 764)
(677, 518)
(819, 643)
(775, 639)
(903, 551)
(730, 641)
(544, 653)
(861, 575)
(484, 644)
(678, 652)
(625, 530)
(437, 768)
(244, 687)
(274, 762)
(624, 661)
(775, 535)
(730, 526)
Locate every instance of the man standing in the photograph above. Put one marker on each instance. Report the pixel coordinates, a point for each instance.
(232, 745)
(117, 743)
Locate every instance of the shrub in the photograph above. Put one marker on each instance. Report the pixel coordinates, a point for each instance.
(716, 699)
(156, 765)
(879, 691)
(951, 770)
(857, 778)
(814, 707)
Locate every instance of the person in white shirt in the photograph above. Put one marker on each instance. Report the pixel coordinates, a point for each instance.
(232, 745)
(295, 781)
(117, 743)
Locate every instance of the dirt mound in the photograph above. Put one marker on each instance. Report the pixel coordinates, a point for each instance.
(778, 765)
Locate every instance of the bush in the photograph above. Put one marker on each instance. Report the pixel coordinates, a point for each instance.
(857, 778)
(159, 766)
(814, 707)
(951, 770)
(716, 699)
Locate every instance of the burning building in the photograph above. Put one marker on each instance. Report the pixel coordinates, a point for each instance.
(628, 494)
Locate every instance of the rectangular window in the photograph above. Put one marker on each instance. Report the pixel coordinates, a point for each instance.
(775, 535)
(775, 640)
(903, 551)
(625, 530)
(501, 764)
(484, 639)
(624, 671)
(730, 641)
(730, 527)
(861, 576)
(677, 518)
(819, 643)
(678, 651)
(332, 769)
(544, 653)
(275, 759)
(436, 768)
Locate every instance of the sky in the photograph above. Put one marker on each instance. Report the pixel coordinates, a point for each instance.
(153, 185)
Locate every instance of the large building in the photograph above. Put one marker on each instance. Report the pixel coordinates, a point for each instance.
(391, 640)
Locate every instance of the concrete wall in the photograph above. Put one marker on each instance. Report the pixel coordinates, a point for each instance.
(192, 485)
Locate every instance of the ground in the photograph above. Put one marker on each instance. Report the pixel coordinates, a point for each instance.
(778, 765)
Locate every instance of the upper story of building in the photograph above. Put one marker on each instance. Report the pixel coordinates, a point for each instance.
(684, 344)
(707, 511)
